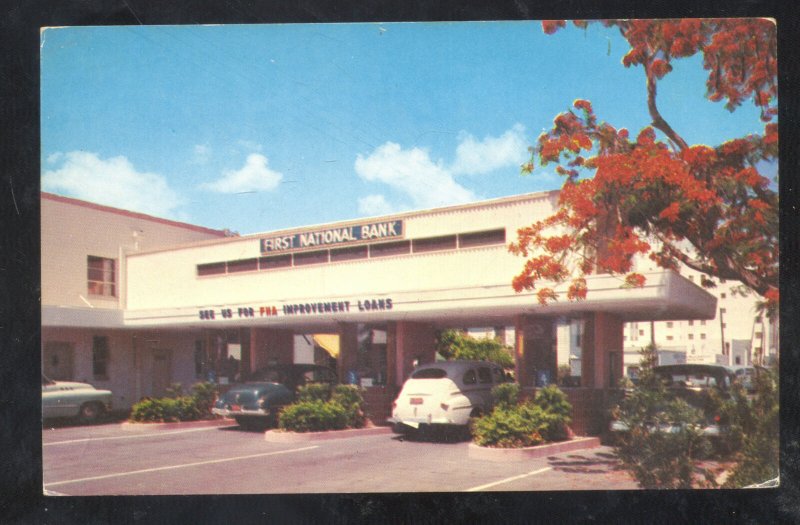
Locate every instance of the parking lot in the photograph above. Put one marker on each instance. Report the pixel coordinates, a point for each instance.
(114, 459)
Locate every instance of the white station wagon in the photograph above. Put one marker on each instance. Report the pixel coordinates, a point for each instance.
(446, 393)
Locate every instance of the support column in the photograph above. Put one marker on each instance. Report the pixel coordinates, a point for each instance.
(270, 346)
(392, 379)
(601, 359)
(413, 341)
(348, 350)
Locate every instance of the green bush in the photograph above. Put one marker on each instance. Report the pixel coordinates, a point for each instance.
(177, 407)
(512, 424)
(349, 397)
(510, 427)
(314, 392)
(313, 416)
(506, 395)
(557, 410)
(319, 408)
(658, 459)
(758, 458)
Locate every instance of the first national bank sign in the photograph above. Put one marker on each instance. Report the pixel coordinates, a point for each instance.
(333, 236)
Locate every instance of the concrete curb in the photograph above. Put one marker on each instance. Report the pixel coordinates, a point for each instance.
(205, 423)
(517, 454)
(301, 437)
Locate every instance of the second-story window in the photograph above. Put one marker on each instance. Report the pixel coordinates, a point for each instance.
(101, 276)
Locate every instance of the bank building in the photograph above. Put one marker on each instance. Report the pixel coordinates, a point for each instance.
(135, 303)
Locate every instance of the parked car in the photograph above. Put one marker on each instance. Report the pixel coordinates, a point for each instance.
(74, 400)
(701, 386)
(445, 394)
(258, 401)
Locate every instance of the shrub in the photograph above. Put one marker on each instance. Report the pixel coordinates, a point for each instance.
(177, 407)
(557, 410)
(313, 416)
(512, 424)
(204, 395)
(758, 460)
(314, 392)
(506, 395)
(510, 427)
(349, 397)
(655, 458)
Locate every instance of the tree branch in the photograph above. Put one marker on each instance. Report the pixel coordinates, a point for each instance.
(658, 120)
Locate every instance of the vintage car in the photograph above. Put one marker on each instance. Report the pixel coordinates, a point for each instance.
(258, 401)
(701, 386)
(75, 400)
(445, 394)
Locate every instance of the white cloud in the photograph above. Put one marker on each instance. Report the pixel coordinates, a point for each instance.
(255, 175)
(375, 205)
(413, 173)
(202, 153)
(113, 182)
(477, 157)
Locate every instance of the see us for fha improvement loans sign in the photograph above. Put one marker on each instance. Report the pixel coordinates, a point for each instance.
(333, 236)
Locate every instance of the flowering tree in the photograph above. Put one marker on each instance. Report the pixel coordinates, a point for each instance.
(706, 207)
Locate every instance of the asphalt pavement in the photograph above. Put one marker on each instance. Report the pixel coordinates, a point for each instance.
(113, 459)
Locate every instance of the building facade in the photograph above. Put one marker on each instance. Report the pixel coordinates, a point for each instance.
(190, 303)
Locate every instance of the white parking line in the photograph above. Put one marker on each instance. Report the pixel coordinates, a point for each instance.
(131, 436)
(508, 480)
(171, 467)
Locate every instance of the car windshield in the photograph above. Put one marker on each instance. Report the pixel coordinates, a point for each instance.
(429, 373)
(688, 380)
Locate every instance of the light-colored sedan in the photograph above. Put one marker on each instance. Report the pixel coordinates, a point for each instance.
(446, 393)
(72, 399)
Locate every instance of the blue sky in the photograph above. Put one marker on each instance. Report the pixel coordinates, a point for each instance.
(261, 127)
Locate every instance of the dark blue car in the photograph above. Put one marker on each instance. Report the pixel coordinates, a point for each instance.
(258, 401)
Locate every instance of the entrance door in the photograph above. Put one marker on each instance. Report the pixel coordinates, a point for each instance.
(57, 360)
(162, 372)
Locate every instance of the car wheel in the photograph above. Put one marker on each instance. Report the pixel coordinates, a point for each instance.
(90, 412)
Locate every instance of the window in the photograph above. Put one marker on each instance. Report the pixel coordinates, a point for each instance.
(691, 278)
(429, 373)
(758, 319)
(723, 311)
(319, 257)
(100, 357)
(484, 238)
(484, 375)
(101, 276)
(430, 244)
(759, 335)
(691, 336)
(724, 325)
(469, 378)
(670, 338)
(211, 268)
(691, 322)
(723, 295)
(702, 336)
(243, 265)
(390, 248)
(669, 324)
(349, 254)
(641, 332)
(276, 261)
(499, 376)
